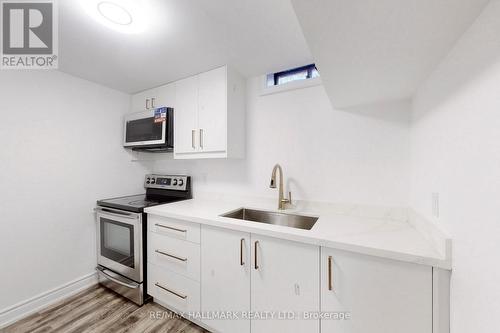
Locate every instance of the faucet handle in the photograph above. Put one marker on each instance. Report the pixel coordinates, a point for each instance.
(287, 200)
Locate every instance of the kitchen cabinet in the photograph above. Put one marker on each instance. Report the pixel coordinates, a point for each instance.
(225, 277)
(263, 284)
(186, 116)
(272, 278)
(284, 278)
(378, 295)
(174, 257)
(212, 109)
(209, 115)
(154, 98)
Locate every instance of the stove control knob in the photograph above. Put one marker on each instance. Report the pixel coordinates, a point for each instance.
(153, 181)
(174, 182)
(181, 182)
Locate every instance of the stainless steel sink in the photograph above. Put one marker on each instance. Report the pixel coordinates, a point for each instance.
(283, 219)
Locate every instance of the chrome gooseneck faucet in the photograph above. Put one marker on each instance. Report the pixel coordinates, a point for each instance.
(282, 201)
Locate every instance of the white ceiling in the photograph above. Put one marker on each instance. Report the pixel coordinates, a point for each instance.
(374, 50)
(184, 37)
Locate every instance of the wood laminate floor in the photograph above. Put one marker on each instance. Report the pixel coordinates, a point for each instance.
(97, 310)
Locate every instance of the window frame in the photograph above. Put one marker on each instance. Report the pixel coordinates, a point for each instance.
(309, 68)
(310, 81)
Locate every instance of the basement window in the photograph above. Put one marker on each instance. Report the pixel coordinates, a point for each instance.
(292, 75)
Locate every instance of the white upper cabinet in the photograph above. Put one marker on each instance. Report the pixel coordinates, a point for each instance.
(378, 295)
(164, 96)
(212, 110)
(142, 101)
(154, 98)
(210, 115)
(186, 116)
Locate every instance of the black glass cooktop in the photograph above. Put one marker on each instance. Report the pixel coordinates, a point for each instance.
(134, 203)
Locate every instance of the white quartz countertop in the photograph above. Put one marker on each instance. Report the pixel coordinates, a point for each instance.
(387, 235)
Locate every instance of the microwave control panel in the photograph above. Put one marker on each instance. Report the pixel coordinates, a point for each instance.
(178, 183)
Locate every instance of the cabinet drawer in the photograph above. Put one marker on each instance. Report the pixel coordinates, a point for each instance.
(174, 228)
(177, 255)
(172, 289)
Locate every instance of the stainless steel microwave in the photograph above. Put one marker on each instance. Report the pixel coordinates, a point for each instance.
(150, 130)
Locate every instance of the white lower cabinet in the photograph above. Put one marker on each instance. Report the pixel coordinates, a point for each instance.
(378, 295)
(266, 282)
(174, 290)
(173, 257)
(225, 278)
(244, 283)
(285, 278)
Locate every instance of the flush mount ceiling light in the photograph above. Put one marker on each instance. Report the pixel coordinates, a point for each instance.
(126, 16)
(114, 13)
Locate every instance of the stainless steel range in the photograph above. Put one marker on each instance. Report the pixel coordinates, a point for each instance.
(122, 231)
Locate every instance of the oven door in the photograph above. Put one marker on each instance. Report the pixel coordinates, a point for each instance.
(141, 130)
(119, 242)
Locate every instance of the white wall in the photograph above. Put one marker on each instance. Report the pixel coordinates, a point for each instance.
(360, 156)
(455, 144)
(60, 151)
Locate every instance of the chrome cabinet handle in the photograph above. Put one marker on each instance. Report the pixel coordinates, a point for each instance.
(256, 266)
(147, 104)
(152, 102)
(242, 242)
(170, 291)
(193, 132)
(171, 228)
(201, 138)
(171, 255)
(330, 274)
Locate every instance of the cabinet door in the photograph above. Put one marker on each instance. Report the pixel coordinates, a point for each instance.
(379, 295)
(186, 115)
(139, 100)
(165, 96)
(225, 277)
(285, 282)
(213, 110)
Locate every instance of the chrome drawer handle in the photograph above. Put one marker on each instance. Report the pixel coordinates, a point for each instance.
(170, 291)
(171, 228)
(171, 255)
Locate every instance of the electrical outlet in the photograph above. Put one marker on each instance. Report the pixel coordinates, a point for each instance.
(435, 204)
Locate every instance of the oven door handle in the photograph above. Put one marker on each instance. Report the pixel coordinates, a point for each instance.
(117, 213)
(115, 280)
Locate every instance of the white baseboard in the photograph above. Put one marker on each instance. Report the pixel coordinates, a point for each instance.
(25, 308)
